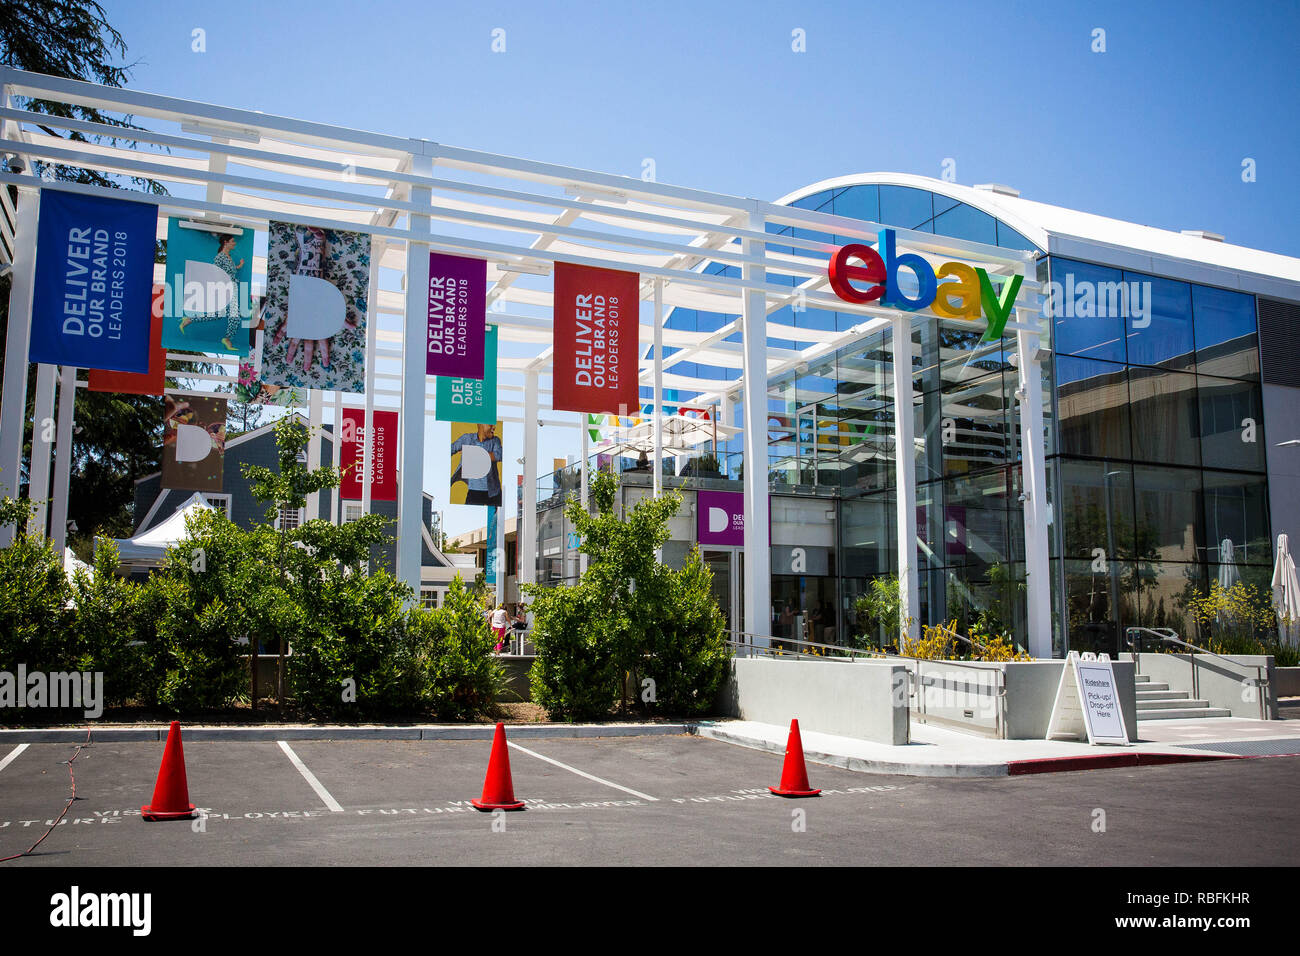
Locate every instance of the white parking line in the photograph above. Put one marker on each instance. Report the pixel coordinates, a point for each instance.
(310, 777)
(583, 773)
(13, 755)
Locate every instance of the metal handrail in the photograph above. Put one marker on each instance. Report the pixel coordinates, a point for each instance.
(915, 675)
(1261, 679)
(840, 649)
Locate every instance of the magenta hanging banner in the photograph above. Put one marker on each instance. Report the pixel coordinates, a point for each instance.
(457, 316)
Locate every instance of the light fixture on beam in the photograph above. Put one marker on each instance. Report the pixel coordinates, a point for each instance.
(597, 192)
(222, 132)
(211, 225)
(530, 268)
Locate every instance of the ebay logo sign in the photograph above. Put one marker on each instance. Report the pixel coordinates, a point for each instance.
(965, 292)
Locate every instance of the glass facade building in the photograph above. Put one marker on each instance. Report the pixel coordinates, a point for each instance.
(1155, 439)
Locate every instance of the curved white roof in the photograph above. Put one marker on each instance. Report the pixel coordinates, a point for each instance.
(1068, 232)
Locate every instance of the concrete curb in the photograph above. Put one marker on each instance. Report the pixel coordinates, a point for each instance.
(1020, 768)
(1010, 768)
(76, 735)
(859, 764)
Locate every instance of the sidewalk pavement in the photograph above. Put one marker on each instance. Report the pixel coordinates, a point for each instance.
(939, 752)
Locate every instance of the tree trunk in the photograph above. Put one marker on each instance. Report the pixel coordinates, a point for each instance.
(279, 676)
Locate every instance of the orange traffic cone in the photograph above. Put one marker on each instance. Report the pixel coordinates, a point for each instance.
(794, 774)
(498, 790)
(171, 794)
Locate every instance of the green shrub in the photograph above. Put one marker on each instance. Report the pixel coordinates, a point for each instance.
(114, 628)
(463, 675)
(34, 595)
(576, 675)
(686, 653)
(353, 637)
(628, 618)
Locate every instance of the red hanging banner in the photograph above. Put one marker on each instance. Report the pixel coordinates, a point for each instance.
(383, 451)
(597, 333)
(138, 383)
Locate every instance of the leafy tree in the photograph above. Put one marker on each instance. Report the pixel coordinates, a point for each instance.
(629, 620)
(119, 435)
(71, 39)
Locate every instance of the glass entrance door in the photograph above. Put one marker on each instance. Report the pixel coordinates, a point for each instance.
(725, 584)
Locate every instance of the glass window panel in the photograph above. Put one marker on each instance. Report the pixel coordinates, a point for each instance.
(1097, 509)
(1232, 424)
(905, 207)
(977, 520)
(1008, 238)
(966, 222)
(1099, 604)
(1078, 328)
(943, 203)
(859, 202)
(1165, 418)
(1167, 339)
(1093, 409)
(1168, 517)
(866, 530)
(1164, 590)
(974, 425)
(1236, 508)
(1225, 333)
(812, 202)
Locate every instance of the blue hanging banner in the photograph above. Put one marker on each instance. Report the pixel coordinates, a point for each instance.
(92, 301)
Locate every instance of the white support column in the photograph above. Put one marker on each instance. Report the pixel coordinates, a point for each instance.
(1038, 577)
(372, 337)
(63, 459)
(13, 408)
(415, 331)
(336, 513)
(314, 405)
(526, 523)
(758, 552)
(658, 412)
(38, 486)
(582, 471)
(905, 474)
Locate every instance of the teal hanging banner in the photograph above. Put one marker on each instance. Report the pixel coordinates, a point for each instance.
(469, 399)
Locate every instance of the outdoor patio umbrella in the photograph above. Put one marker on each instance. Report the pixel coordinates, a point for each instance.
(1286, 592)
(1228, 573)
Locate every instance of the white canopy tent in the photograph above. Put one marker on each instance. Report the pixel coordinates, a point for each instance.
(413, 196)
(148, 549)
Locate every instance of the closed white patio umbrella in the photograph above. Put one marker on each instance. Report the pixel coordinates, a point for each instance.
(1286, 592)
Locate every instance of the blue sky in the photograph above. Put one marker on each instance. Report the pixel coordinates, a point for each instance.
(1153, 130)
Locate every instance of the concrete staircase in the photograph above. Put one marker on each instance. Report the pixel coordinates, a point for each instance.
(1155, 701)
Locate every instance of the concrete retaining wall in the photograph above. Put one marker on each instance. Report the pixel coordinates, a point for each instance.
(863, 699)
(958, 696)
(1287, 681)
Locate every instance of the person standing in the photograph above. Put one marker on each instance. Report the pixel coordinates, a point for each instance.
(500, 622)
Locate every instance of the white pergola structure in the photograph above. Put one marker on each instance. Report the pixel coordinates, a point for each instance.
(413, 196)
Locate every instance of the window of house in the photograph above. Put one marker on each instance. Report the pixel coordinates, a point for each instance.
(351, 512)
(220, 502)
(290, 518)
(429, 597)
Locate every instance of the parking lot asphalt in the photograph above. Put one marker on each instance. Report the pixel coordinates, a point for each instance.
(628, 801)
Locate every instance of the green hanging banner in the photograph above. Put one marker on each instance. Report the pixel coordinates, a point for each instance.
(468, 399)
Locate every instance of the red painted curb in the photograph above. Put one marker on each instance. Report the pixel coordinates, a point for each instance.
(1018, 768)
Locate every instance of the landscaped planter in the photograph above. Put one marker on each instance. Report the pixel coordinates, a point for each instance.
(1288, 681)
